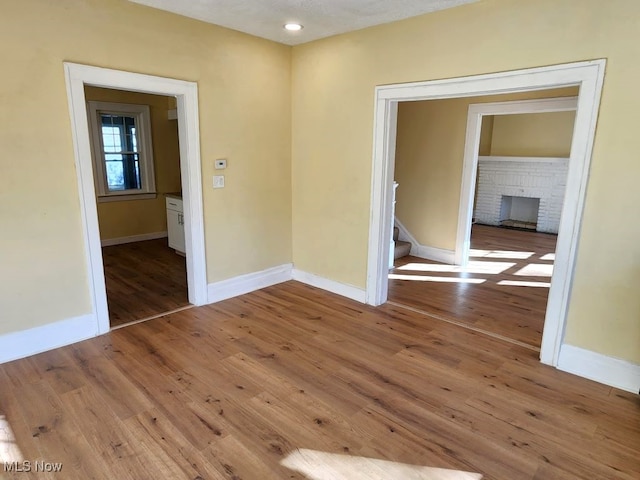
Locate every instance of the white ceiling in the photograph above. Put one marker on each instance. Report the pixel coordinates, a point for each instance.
(321, 18)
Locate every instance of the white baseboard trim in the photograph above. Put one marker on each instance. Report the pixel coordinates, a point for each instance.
(600, 368)
(247, 283)
(108, 242)
(436, 254)
(250, 282)
(422, 251)
(35, 340)
(349, 291)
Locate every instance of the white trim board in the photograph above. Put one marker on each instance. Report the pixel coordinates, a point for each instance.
(349, 291)
(251, 282)
(424, 251)
(588, 76)
(600, 368)
(108, 242)
(435, 254)
(36, 340)
(186, 93)
(248, 283)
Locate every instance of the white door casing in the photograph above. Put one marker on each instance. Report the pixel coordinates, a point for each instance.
(186, 93)
(588, 76)
(472, 144)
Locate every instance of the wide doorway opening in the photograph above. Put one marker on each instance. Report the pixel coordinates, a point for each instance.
(587, 77)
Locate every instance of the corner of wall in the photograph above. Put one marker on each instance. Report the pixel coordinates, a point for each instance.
(424, 251)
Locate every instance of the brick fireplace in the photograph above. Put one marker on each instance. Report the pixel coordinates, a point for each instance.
(528, 188)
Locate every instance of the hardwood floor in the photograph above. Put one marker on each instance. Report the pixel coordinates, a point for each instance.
(497, 305)
(293, 382)
(143, 279)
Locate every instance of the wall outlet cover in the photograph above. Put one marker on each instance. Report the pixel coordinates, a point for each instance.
(218, 181)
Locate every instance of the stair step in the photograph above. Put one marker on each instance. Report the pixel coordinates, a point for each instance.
(396, 233)
(402, 249)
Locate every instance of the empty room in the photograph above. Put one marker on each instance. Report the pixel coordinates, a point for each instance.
(266, 340)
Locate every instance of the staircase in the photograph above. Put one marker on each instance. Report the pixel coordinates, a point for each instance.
(402, 248)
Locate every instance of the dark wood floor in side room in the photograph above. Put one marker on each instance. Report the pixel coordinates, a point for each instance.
(143, 279)
(293, 382)
(501, 259)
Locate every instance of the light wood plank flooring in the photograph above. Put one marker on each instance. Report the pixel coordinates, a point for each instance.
(143, 279)
(498, 255)
(293, 382)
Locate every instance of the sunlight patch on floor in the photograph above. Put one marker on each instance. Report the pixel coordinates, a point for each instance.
(424, 278)
(536, 270)
(317, 465)
(548, 256)
(9, 451)
(474, 266)
(516, 283)
(508, 254)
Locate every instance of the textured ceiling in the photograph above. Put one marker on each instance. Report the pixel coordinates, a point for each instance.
(321, 18)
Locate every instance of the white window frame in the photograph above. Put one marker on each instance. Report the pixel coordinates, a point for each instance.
(142, 115)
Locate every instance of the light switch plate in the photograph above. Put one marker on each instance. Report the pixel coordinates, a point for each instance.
(218, 181)
(221, 164)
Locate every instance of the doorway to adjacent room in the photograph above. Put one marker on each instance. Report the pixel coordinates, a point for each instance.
(587, 76)
(186, 95)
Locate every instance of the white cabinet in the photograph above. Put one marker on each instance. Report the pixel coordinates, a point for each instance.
(175, 223)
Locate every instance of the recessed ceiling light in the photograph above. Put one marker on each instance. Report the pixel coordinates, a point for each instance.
(293, 27)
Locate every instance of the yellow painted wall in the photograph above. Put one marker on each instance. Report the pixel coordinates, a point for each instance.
(245, 116)
(333, 100)
(533, 134)
(430, 154)
(137, 217)
(429, 150)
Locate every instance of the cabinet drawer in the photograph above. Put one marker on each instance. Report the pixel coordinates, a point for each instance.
(174, 204)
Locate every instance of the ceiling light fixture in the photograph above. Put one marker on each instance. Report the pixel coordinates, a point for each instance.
(293, 27)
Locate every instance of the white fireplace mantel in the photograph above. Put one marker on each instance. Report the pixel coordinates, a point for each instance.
(496, 158)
